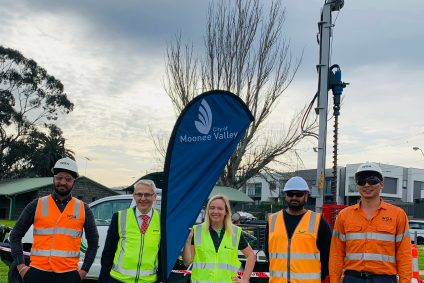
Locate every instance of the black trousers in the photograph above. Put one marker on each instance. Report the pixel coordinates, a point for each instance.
(112, 280)
(35, 275)
(373, 279)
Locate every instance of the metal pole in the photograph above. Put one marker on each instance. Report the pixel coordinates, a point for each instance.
(325, 26)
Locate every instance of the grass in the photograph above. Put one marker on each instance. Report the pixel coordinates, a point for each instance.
(4, 269)
(421, 259)
(10, 223)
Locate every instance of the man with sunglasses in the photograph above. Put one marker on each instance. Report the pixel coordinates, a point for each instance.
(371, 241)
(132, 242)
(297, 239)
(59, 220)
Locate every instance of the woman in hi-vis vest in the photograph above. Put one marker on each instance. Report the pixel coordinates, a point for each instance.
(212, 247)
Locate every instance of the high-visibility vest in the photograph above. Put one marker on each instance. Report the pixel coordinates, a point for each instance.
(136, 257)
(209, 265)
(57, 235)
(297, 259)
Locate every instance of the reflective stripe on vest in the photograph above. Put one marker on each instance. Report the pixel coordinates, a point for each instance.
(198, 239)
(367, 256)
(118, 267)
(57, 235)
(211, 265)
(370, 236)
(133, 272)
(65, 231)
(311, 225)
(58, 253)
(45, 207)
(294, 259)
(295, 256)
(293, 275)
(203, 265)
(136, 256)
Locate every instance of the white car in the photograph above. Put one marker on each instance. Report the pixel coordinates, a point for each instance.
(416, 228)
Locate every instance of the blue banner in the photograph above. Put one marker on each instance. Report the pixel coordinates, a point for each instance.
(203, 139)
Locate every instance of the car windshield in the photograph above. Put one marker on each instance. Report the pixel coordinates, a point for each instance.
(103, 211)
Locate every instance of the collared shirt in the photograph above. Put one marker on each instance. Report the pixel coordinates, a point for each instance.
(61, 204)
(138, 214)
(380, 245)
(217, 239)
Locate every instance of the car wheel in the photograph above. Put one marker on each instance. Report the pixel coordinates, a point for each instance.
(420, 240)
(13, 274)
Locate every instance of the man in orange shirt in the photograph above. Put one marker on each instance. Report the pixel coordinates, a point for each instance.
(371, 241)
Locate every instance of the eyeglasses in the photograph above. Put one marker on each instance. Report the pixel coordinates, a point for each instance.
(373, 180)
(146, 195)
(294, 193)
(60, 178)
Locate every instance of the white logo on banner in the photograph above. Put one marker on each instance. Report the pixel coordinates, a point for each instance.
(204, 127)
(205, 118)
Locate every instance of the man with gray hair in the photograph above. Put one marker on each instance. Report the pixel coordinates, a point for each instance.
(132, 242)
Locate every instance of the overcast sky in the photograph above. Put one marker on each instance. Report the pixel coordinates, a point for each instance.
(110, 56)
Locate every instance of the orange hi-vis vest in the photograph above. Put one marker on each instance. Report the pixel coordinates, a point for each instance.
(295, 260)
(57, 236)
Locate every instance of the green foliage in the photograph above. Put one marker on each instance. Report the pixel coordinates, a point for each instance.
(9, 223)
(30, 100)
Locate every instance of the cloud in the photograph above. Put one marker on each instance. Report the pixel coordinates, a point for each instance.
(110, 56)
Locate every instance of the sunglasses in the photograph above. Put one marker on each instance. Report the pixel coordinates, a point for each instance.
(373, 180)
(297, 194)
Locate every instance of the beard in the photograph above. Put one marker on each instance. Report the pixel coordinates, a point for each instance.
(62, 192)
(296, 205)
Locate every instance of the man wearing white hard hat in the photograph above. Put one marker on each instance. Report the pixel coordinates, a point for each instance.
(59, 221)
(297, 239)
(371, 241)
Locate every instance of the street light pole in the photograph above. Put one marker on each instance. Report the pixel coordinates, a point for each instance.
(86, 159)
(417, 148)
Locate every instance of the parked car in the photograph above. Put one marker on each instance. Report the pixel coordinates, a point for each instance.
(416, 229)
(246, 217)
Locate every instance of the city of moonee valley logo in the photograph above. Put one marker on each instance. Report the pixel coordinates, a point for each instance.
(203, 125)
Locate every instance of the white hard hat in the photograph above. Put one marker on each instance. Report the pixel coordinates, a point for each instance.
(296, 184)
(66, 165)
(369, 167)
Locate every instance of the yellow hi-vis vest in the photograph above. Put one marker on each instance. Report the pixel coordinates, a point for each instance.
(210, 266)
(136, 256)
(295, 260)
(57, 235)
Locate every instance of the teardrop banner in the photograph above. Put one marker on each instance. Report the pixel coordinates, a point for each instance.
(203, 139)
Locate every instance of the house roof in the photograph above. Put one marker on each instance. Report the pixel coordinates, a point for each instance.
(232, 194)
(19, 186)
(24, 185)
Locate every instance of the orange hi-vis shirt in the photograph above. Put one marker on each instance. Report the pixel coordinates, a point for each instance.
(295, 260)
(380, 245)
(57, 236)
